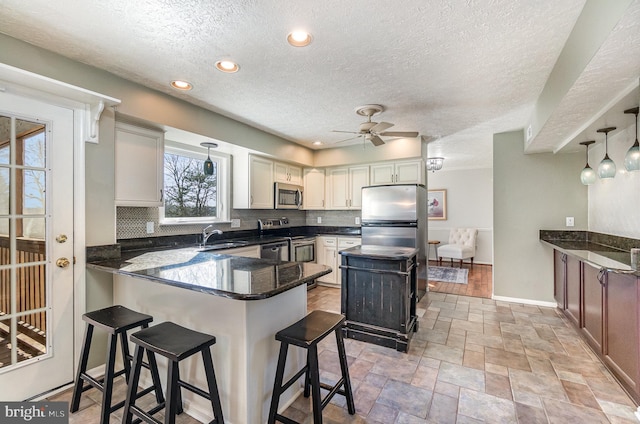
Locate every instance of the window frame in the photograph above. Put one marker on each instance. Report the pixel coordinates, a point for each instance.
(223, 195)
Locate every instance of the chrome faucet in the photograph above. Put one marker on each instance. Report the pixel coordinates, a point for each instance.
(206, 234)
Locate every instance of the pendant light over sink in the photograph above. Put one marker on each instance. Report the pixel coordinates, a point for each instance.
(632, 158)
(588, 175)
(607, 168)
(208, 164)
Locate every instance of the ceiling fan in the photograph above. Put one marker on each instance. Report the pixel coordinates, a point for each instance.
(372, 131)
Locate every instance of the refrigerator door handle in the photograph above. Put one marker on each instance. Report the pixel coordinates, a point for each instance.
(389, 224)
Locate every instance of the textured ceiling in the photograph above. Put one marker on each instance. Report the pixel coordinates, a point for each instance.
(459, 71)
(610, 80)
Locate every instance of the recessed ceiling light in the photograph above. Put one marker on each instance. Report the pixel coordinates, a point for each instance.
(299, 38)
(181, 85)
(227, 66)
(317, 143)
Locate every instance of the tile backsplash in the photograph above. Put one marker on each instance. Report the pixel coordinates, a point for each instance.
(131, 222)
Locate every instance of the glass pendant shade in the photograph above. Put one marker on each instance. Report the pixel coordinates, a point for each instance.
(208, 164)
(588, 175)
(607, 168)
(632, 158)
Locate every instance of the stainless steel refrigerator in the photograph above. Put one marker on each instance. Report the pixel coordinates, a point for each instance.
(396, 215)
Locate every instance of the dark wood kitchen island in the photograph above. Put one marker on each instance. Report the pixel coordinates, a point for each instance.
(379, 294)
(242, 301)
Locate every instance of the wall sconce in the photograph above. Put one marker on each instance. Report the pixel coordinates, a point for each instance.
(606, 169)
(588, 175)
(434, 164)
(208, 164)
(632, 158)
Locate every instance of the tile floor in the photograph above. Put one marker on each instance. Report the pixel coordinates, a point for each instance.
(473, 360)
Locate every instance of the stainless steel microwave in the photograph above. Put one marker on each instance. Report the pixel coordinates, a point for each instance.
(288, 196)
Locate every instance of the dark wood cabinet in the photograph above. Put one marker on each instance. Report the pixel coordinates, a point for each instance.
(560, 271)
(573, 290)
(379, 295)
(605, 307)
(621, 352)
(592, 306)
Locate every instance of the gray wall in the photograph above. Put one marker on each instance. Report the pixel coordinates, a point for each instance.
(531, 192)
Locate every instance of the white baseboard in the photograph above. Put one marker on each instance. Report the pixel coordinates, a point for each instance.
(525, 301)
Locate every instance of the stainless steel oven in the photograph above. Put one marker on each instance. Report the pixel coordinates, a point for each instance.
(303, 249)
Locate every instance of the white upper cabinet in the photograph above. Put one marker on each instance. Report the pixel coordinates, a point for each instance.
(313, 196)
(260, 183)
(344, 186)
(404, 172)
(285, 173)
(139, 166)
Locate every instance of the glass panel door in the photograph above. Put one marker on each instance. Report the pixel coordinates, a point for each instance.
(23, 266)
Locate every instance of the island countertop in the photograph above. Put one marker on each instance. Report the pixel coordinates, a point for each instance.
(380, 252)
(228, 276)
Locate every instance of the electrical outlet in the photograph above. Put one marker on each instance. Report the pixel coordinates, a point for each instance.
(150, 229)
(319, 220)
(357, 220)
(235, 223)
(570, 221)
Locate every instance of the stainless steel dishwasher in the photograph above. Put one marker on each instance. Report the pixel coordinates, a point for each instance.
(278, 250)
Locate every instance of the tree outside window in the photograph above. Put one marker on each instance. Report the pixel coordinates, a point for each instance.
(189, 193)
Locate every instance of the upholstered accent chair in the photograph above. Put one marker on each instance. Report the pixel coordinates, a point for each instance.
(462, 245)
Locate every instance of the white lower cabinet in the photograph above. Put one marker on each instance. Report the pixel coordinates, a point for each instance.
(328, 248)
(345, 243)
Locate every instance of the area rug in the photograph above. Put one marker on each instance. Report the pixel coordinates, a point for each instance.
(448, 275)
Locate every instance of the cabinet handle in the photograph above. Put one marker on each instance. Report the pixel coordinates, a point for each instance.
(564, 257)
(251, 200)
(601, 274)
(161, 195)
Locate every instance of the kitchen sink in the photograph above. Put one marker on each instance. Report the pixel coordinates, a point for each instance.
(223, 245)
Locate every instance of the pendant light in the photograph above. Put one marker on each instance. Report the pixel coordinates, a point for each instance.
(632, 158)
(588, 175)
(208, 164)
(606, 169)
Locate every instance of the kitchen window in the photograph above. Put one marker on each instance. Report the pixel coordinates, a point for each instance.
(190, 196)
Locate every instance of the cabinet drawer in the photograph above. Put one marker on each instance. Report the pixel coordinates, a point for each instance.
(329, 241)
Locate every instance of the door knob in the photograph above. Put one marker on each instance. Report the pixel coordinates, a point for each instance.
(62, 262)
(61, 238)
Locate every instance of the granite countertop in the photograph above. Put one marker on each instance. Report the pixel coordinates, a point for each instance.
(229, 276)
(578, 245)
(380, 252)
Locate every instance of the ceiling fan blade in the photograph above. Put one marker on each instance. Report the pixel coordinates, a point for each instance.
(399, 133)
(347, 139)
(378, 128)
(377, 141)
(348, 132)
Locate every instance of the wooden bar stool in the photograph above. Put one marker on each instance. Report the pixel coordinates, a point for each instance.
(174, 343)
(116, 321)
(307, 333)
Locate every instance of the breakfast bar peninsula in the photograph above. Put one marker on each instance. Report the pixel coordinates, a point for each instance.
(242, 301)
